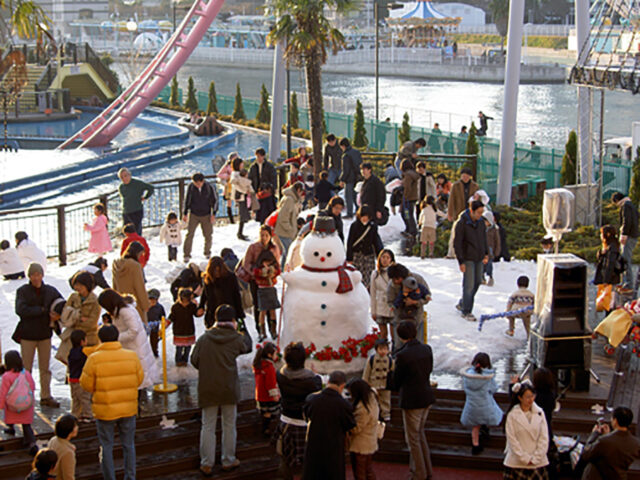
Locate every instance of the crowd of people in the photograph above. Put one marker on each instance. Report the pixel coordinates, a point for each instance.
(111, 357)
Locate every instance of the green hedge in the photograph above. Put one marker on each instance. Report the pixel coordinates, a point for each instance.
(532, 40)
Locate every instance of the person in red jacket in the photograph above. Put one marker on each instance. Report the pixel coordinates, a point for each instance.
(267, 392)
(130, 236)
(265, 274)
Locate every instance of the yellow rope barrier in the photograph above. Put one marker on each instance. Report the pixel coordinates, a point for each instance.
(164, 387)
(550, 339)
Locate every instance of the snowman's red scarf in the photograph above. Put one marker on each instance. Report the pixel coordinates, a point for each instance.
(344, 282)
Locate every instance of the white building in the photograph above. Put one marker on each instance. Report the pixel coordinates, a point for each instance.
(471, 16)
(63, 12)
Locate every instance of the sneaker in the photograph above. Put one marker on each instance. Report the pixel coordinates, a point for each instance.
(469, 317)
(231, 466)
(509, 333)
(10, 430)
(49, 402)
(490, 282)
(459, 307)
(206, 470)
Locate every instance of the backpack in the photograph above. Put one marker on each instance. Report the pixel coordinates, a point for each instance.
(396, 196)
(20, 396)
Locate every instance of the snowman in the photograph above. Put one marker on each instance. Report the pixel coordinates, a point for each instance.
(325, 301)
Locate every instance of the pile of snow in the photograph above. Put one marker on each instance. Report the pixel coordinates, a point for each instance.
(453, 339)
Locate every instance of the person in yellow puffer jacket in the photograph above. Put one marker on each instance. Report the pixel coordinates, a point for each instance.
(113, 375)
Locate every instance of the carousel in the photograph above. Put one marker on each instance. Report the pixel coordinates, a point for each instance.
(421, 25)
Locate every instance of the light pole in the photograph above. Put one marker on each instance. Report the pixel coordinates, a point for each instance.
(376, 18)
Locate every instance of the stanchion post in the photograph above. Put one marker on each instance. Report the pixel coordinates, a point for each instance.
(425, 328)
(164, 387)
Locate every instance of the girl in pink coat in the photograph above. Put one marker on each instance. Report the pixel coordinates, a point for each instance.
(14, 369)
(100, 241)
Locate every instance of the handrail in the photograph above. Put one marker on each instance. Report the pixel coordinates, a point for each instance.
(92, 59)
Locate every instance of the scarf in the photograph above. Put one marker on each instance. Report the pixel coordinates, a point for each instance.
(344, 282)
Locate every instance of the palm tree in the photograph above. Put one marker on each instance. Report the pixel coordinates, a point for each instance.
(26, 17)
(308, 35)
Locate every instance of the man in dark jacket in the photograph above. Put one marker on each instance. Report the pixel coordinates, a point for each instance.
(330, 418)
(200, 207)
(609, 454)
(409, 151)
(372, 193)
(334, 210)
(262, 171)
(472, 252)
(214, 355)
(411, 378)
(351, 160)
(332, 159)
(628, 234)
(33, 306)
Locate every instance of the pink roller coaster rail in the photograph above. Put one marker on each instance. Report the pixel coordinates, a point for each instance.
(123, 110)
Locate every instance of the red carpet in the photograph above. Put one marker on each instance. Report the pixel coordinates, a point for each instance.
(393, 471)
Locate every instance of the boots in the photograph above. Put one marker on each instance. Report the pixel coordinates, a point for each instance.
(240, 228)
(230, 214)
(261, 334)
(266, 421)
(273, 328)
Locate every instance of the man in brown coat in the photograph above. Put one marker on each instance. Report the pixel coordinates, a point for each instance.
(609, 454)
(461, 191)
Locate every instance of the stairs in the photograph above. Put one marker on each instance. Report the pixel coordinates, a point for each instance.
(162, 454)
(27, 99)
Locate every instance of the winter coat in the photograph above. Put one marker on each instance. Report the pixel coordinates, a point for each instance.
(527, 442)
(33, 308)
(369, 245)
(100, 241)
(373, 195)
(76, 360)
(390, 173)
(332, 158)
(330, 418)
(628, 218)
(240, 187)
(288, 210)
(225, 290)
(443, 188)
(363, 439)
(201, 202)
(267, 207)
(377, 371)
(96, 273)
(224, 174)
(470, 239)
(480, 408)
(186, 279)
(266, 383)
(520, 298)
(128, 278)
(171, 235)
(351, 160)
(493, 240)
(394, 290)
(406, 152)
(71, 319)
(215, 352)
(605, 266)
(411, 376)
(458, 198)
(609, 456)
(324, 191)
(113, 375)
(250, 259)
(426, 187)
(66, 451)
(184, 328)
(410, 180)
(134, 237)
(266, 277)
(131, 194)
(295, 386)
(29, 252)
(134, 337)
(10, 262)
(378, 294)
(429, 217)
(259, 176)
(13, 418)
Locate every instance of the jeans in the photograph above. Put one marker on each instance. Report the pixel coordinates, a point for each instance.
(135, 218)
(286, 243)
(207, 232)
(409, 217)
(208, 435)
(627, 250)
(349, 198)
(419, 455)
(127, 431)
(27, 352)
(182, 354)
(471, 280)
(488, 267)
(334, 174)
(173, 252)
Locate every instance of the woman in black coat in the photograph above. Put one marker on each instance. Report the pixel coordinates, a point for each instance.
(608, 256)
(220, 287)
(191, 278)
(363, 244)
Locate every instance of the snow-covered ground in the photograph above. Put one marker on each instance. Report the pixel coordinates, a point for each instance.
(453, 339)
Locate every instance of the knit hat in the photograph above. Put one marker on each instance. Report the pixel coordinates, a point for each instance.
(34, 268)
(225, 313)
(410, 282)
(154, 293)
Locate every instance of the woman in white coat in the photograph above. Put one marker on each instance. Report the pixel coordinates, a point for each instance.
(380, 309)
(363, 439)
(133, 336)
(29, 252)
(527, 436)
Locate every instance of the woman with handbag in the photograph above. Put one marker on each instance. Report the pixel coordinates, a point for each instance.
(609, 268)
(363, 244)
(363, 439)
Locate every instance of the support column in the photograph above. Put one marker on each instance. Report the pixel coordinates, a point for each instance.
(585, 145)
(277, 103)
(510, 113)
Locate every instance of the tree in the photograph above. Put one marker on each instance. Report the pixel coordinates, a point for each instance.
(27, 19)
(192, 102)
(264, 113)
(569, 160)
(174, 99)
(471, 148)
(404, 135)
(238, 109)
(212, 106)
(359, 132)
(308, 34)
(295, 115)
(634, 191)
(500, 13)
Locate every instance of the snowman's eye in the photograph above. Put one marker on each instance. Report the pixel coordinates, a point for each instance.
(315, 254)
(328, 254)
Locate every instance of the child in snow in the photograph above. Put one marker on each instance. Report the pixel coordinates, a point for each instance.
(480, 408)
(184, 330)
(17, 398)
(241, 189)
(521, 298)
(267, 392)
(100, 242)
(377, 372)
(265, 274)
(230, 259)
(11, 267)
(29, 252)
(324, 190)
(413, 290)
(80, 398)
(130, 236)
(428, 222)
(96, 269)
(309, 191)
(171, 235)
(267, 201)
(294, 174)
(154, 317)
(493, 242)
(44, 465)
